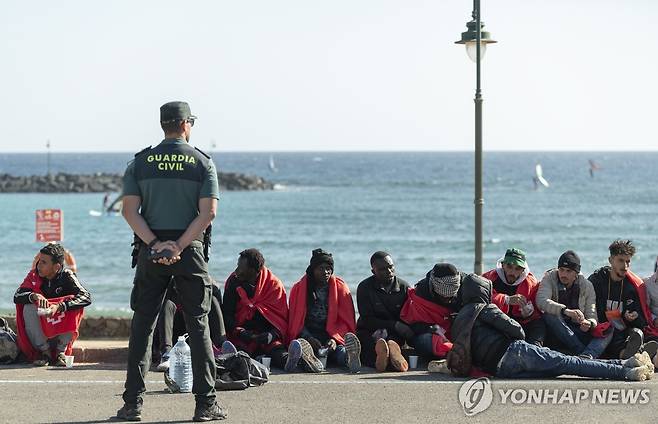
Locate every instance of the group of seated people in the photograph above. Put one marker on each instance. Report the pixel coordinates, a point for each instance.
(561, 324)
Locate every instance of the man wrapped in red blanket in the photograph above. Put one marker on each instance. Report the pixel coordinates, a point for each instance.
(321, 321)
(49, 308)
(255, 309)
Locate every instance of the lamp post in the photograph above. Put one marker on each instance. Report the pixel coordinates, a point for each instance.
(476, 42)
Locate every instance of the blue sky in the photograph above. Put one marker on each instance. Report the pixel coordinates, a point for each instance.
(307, 75)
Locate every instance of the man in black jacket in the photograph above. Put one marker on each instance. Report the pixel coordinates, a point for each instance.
(380, 298)
(56, 282)
(618, 301)
(497, 346)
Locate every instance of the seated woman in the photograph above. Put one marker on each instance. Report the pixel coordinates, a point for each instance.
(321, 319)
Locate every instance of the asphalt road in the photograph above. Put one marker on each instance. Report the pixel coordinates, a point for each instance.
(91, 393)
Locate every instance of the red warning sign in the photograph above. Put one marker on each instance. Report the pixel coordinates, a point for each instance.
(50, 225)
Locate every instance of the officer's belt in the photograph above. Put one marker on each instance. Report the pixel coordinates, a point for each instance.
(165, 235)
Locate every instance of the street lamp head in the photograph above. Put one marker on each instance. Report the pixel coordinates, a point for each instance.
(469, 39)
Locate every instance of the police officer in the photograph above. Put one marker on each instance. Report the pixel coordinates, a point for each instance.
(170, 197)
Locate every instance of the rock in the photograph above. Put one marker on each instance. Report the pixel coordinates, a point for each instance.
(102, 183)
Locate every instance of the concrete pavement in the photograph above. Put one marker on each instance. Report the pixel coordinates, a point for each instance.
(91, 393)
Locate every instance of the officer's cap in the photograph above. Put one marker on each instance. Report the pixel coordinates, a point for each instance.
(175, 111)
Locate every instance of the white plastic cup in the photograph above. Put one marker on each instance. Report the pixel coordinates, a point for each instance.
(413, 361)
(69, 361)
(323, 359)
(266, 360)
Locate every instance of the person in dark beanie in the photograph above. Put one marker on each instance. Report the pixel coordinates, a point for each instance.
(428, 308)
(380, 329)
(621, 300)
(321, 320)
(568, 303)
(515, 292)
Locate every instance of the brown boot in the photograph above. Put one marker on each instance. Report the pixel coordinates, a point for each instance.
(381, 349)
(397, 360)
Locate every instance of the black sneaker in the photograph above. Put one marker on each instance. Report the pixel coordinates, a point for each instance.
(633, 344)
(130, 413)
(353, 348)
(42, 360)
(651, 348)
(60, 361)
(204, 413)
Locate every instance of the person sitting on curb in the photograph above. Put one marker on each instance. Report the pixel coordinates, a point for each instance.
(499, 348)
(379, 328)
(321, 319)
(49, 308)
(568, 303)
(428, 308)
(171, 323)
(515, 291)
(621, 300)
(255, 309)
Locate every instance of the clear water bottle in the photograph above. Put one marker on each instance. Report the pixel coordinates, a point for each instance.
(180, 365)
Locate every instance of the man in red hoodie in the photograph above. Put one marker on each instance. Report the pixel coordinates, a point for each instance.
(515, 293)
(255, 309)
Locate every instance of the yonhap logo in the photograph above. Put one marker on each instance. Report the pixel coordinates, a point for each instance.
(475, 396)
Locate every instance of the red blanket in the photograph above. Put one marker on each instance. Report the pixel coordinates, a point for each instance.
(527, 288)
(637, 282)
(269, 300)
(340, 313)
(416, 309)
(60, 323)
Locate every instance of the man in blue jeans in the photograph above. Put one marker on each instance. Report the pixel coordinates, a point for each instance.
(568, 303)
(497, 346)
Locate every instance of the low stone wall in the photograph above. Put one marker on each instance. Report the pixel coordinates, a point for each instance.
(95, 327)
(103, 183)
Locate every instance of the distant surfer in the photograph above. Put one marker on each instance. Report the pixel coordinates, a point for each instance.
(593, 166)
(106, 201)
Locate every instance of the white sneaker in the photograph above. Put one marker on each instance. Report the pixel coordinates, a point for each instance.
(164, 365)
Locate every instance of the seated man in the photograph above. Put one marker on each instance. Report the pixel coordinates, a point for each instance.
(321, 319)
(428, 308)
(515, 292)
(568, 303)
(621, 300)
(171, 324)
(498, 348)
(380, 298)
(49, 308)
(255, 309)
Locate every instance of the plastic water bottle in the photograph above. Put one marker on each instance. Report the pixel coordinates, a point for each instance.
(180, 365)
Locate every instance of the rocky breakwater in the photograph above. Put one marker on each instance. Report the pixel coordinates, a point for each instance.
(100, 183)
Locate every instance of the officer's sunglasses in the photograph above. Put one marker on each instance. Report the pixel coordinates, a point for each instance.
(191, 121)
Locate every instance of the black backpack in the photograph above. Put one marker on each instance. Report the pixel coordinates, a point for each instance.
(238, 371)
(8, 345)
(459, 357)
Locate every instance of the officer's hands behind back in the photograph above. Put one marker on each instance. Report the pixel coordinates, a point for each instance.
(165, 252)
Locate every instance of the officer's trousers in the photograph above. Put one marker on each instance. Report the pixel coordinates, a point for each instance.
(194, 289)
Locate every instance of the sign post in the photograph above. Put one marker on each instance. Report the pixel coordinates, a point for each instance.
(49, 225)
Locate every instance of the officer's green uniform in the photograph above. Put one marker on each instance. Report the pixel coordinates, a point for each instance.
(170, 179)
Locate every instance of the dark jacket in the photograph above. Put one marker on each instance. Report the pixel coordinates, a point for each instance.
(493, 330)
(630, 299)
(379, 308)
(65, 283)
(423, 290)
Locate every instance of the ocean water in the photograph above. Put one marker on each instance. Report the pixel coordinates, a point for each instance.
(417, 206)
